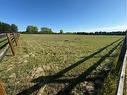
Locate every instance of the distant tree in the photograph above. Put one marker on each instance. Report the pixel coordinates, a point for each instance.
(4, 27)
(46, 30)
(1, 27)
(31, 29)
(14, 28)
(61, 31)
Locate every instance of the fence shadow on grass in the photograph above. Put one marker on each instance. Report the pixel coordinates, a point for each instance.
(42, 80)
(98, 80)
(3, 40)
(81, 78)
(2, 70)
(121, 57)
(59, 74)
(99, 86)
(1, 47)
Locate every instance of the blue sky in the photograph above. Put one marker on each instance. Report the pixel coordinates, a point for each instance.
(69, 15)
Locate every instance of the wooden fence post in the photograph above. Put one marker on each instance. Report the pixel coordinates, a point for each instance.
(15, 38)
(18, 34)
(10, 43)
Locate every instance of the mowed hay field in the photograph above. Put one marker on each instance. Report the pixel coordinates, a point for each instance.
(54, 64)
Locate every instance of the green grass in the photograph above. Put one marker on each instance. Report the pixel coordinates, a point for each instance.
(110, 83)
(44, 55)
(125, 85)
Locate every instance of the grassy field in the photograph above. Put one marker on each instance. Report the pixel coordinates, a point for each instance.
(125, 84)
(53, 64)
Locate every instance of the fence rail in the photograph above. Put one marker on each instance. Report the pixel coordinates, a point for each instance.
(7, 41)
(122, 69)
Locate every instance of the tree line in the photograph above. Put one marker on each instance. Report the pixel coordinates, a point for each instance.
(34, 29)
(46, 30)
(31, 29)
(5, 28)
(103, 33)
